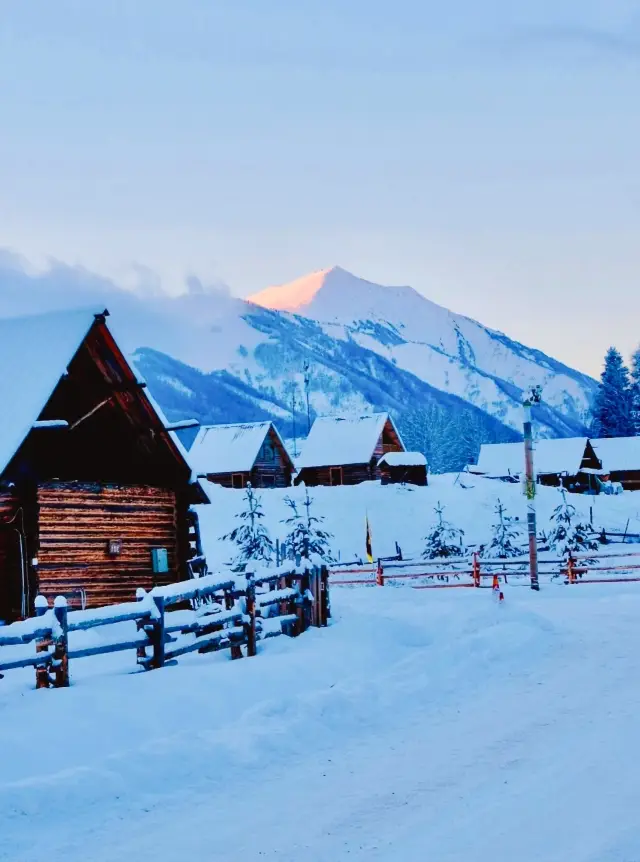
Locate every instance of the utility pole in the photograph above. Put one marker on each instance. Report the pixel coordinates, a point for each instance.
(534, 397)
(293, 418)
(307, 386)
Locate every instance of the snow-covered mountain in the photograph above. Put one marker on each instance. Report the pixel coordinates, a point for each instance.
(449, 351)
(450, 382)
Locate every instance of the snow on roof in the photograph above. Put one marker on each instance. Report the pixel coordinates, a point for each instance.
(335, 440)
(229, 448)
(403, 459)
(34, 354)
(563, 455)
(618, 453)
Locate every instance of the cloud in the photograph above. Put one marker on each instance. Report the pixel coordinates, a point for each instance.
(602, 41)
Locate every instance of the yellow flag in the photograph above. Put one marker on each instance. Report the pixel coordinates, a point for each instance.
(369, 548)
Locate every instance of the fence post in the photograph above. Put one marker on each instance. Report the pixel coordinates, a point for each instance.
(380, 574)
(61, 649)
(476, 569)
(250, 627)
(571, 574)
(325, 603)
(42, 672)
(158, 634)
(316, 591)
(141, 625)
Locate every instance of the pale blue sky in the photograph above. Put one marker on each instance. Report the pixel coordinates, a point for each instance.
(483, 152)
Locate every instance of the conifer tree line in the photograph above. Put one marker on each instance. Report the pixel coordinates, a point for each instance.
(307, 538)
(616, 409)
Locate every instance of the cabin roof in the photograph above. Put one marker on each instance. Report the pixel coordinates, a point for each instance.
(618, 453)
(230, 448)
(403, 459)
(336, 440)
(35, 352)
(563, 455)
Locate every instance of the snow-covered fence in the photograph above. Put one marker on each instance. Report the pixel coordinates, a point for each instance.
(217, 613)
(478, 571)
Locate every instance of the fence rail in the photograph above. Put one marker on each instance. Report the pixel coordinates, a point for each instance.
(474, 571)
(220, 613)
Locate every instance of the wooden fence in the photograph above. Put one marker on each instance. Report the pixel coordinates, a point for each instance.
(203, 615)
(475, 571)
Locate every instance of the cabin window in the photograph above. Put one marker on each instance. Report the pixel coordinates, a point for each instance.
(268, 481)
(268, 452)
(237, 480)
(335, 475)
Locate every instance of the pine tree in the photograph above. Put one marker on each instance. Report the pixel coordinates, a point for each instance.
(307, 538)
(444, 540)
(635, 392)
(612, 406)
(506, 539)
(567, 534)
(251, 536)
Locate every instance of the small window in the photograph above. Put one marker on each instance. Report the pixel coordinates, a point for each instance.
(237, 480)
(268, 452)
(268, 481)
(335, 475)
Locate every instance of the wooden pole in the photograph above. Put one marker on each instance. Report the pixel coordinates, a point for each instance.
(61, 650)
(476, 569)
(530, 489)
(158, 634)
(251, 613)
(42, 672)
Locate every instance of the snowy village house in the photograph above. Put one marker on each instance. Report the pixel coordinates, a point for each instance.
(620, 458)
(95, 490)
(346, 451)
(570, 462)
(236, 455)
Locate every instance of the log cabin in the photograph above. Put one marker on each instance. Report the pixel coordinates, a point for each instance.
(235, 455)
(347, 451)
(403, 468)
(620, 458)
(570, 462)
(95, 489)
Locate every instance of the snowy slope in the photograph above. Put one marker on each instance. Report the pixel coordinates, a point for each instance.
(450, 351)
(418, 726)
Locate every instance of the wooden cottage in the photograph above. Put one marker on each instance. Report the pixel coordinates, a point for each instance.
(403, 468)
(570, 462)
(95, 490)
(620, 458)
(347, 451)
(234, 455)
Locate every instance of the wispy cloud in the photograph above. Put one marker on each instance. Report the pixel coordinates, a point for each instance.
(599, 40)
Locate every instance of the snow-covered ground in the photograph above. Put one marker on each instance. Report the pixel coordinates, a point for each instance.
(405, 513)
(420, 725)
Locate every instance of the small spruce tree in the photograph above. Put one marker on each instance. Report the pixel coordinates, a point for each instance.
(444, 540)
(506, 539)
(250, 536)
(306, 536)
(567, 534)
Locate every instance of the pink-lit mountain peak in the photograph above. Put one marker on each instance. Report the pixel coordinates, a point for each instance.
(334, 294)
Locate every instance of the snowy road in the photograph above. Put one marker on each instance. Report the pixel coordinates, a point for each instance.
(421, 726)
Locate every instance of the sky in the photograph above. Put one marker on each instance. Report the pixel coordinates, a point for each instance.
(483, 152)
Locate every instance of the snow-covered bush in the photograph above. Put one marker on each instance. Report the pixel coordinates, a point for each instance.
(507, 538)
(250, 536)
(306, 537)
(444, 540)
(567, 533)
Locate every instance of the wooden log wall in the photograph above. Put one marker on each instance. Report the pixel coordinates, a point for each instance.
(76, 524)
